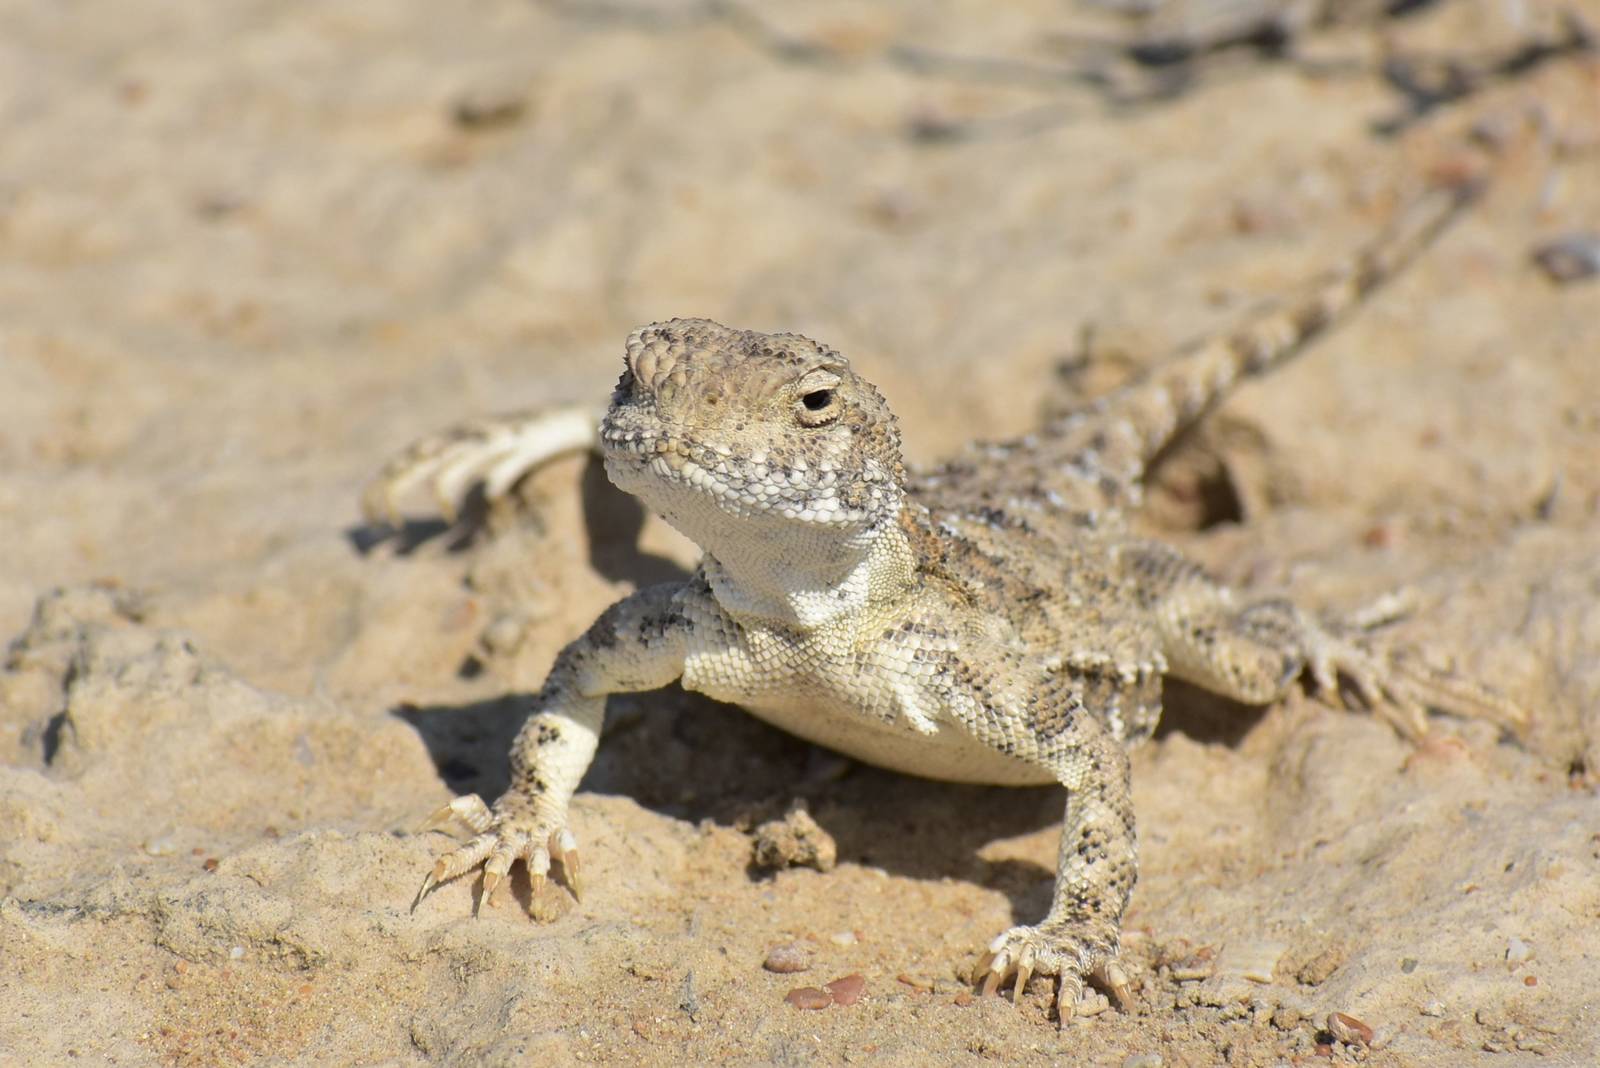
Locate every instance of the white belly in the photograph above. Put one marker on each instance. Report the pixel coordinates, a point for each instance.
(949, 753)
(819, 690)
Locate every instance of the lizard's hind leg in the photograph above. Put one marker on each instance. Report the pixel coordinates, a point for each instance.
(493, 452)
(1257, 650)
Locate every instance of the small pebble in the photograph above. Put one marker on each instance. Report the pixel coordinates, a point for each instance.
(846, 989)
(1570, 258)
(843, 938)
(1143, 1060)
(505, 635)
(1349, 1030)
(1254, 961)
(486, 108)
(164, 846)
(794, 841)
(236, 953)
(1199, 964)
(1093, 1003)
(1433, 1008)
(1497, 130)
(786, 958)
(1518, 952)
(1286, 1017)
(808, 997)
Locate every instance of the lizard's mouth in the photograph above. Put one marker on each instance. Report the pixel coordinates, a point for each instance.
(662, 468)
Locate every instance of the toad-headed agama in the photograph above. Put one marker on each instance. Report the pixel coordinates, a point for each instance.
(990, 619)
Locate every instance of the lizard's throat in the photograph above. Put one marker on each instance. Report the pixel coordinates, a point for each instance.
(807, 579)
(767, 563)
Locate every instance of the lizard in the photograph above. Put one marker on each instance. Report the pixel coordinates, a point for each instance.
(989, 619)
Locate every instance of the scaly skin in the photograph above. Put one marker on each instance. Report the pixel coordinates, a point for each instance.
(987, 621)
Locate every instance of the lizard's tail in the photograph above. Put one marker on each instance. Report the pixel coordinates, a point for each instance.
(1155, 407)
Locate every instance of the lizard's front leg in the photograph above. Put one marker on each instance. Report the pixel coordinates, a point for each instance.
(639, 643)
(1095, 871)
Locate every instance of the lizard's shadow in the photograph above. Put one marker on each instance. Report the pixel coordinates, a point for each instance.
(612, 524)
(691, 758)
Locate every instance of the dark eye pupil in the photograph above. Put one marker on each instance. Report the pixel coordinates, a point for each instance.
(817, 400)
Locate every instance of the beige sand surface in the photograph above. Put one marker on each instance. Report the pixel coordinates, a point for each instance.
(249, 249)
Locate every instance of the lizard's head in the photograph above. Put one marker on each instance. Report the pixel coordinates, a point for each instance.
(709, 422)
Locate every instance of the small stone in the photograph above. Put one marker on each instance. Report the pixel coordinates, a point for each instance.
(1316, 971)
(165, 846)
(236, 953)
(1496, 130)
(1433, 1008)
(794, 841)
(1142, 1060)
(1185, 965)
(1349, 1030)
(843, 938)
(1518, 952)
(846, 989)
(1408, 965)
(1092, 1003)
(1286, 1017)
(787, 958)
(505, 635)
(1254, 961)
(1570, 258)
(962, 999)
(485, 108)
(808, 997)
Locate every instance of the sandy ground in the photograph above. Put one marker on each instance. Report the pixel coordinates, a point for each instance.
(247, 250)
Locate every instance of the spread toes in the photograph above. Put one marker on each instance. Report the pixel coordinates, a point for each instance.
(500, 843)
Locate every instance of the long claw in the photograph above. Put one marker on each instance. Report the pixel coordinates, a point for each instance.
(1117, 984)
(429, 881)
(1067, 994)
(1024, 973)
(468, 808)
(441, 817)
(997, 971)
(569, 863)
(491, 879)
(564, 848)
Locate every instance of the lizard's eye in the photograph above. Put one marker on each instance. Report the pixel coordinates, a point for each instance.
(818, 407)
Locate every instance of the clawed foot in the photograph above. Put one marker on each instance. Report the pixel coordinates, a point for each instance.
(499, 842)
(1066, 951)
(493, 453)
(1397, 685)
